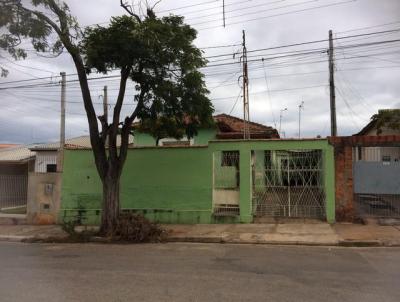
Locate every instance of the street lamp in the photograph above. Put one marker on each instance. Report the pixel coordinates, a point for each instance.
(280, 120)
(301, 107)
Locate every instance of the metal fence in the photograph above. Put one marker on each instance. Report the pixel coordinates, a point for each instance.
(376, 174)
(377, 205)
(13, 192)
(288, 184)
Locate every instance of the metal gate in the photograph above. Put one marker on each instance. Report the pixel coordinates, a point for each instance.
(288, 183)
(376, 174)
(226, 186)
(13, 193)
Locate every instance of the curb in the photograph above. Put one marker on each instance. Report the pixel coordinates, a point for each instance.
(15, 238)
(225, 240)
(360, 243)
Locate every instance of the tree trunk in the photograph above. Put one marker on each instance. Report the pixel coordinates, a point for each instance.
(111, 204)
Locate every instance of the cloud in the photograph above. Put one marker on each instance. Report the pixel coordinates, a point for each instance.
(364, 86)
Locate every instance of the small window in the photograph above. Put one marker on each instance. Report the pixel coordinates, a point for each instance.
(51, 168)
(386, 158)
(230, 158)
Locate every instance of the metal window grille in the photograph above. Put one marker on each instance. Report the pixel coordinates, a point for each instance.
(288, 184)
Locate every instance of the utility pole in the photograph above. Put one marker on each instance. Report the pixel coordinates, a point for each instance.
(105, 109)
(60, 159)
(105, 105)
(223, 11)
(280, 119)
(301, 107)
(246, 110)
(332, 86)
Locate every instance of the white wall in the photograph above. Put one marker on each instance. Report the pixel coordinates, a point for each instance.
(44, 158)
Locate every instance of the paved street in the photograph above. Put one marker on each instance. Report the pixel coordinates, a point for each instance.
(197, 272)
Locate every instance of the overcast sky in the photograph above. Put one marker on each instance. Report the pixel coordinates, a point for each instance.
(367, 73)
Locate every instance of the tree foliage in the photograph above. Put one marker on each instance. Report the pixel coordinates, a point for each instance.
(387, 119)
(164, 65)
(157, 54)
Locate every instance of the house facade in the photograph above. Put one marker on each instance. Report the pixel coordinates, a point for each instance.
(217, 177)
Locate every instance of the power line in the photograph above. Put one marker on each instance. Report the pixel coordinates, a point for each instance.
(250, 51)
(282, 14)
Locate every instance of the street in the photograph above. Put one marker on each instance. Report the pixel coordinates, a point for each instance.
(196, 272)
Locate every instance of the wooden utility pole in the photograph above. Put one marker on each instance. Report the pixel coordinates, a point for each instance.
(246, 110)
(332, 86)
(60, 158)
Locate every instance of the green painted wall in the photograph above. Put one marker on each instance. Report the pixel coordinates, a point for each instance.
(174, 185)
(204, 136)
(167, 184)
(143, 139)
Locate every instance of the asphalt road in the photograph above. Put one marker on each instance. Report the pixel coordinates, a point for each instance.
(197, 272)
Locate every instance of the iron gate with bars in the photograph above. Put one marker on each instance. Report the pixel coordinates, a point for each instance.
(288, 183)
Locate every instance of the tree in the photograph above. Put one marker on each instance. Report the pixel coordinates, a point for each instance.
(389, 118)
(157, 54)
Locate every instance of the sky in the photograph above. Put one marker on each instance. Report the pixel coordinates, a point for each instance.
(367, 66)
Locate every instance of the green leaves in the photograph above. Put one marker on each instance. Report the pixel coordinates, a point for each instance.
(163, 62)
(387, 119)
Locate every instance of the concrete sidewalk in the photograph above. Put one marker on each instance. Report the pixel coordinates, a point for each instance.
(283, 234)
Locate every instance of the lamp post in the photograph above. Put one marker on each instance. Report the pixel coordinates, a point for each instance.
(301, 107)
(280, 120)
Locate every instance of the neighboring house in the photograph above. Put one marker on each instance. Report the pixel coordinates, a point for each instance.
(376, 154)
(46, 154)
(4, 146)
(226, 127)
(15, 164)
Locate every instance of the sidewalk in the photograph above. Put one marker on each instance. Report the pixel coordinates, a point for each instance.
(291, 233)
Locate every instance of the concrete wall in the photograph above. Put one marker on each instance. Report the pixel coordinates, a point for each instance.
(44, 195)
(174, 185)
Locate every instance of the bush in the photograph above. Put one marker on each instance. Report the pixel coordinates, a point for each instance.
(137, 229)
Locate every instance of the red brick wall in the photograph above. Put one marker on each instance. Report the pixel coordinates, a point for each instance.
(344, 183)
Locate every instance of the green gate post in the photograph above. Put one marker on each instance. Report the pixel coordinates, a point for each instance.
(329, 177)
(245, 186)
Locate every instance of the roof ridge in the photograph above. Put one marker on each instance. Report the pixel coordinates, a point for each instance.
(240, 119)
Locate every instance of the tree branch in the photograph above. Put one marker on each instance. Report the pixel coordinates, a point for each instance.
(127, 127)
(113, 130)
(63, 33)
(129, 10)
